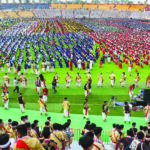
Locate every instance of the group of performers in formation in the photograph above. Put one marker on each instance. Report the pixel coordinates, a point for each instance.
(41, 83)
(105, 110)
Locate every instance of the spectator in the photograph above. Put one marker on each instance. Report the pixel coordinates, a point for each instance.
(26, 142)
(126, 141)
(4, 142)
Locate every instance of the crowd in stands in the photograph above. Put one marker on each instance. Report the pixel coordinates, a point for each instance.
(28, 6)
(54, 136)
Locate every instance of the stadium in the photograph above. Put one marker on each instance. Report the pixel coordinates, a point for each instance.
(75, 74)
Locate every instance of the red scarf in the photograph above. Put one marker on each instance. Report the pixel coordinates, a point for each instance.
(22, 144)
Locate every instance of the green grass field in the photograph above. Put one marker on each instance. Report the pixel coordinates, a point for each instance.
(76, 94)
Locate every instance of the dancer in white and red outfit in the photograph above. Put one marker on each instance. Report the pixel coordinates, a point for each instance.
(43, 107)
(78, 79)
(43, 66)
(131, 89)
(68, 79)
(45, 94)
(147, 113)
(85, 109)
(130, 67)
(123, 79)
(112, 79)
(148, 81)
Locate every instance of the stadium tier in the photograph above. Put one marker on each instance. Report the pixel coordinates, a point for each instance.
(131, 7)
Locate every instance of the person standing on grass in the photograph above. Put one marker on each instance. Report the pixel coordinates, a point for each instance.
(104, 111)
(123, 79)
(19, 69)
(42, 79)
(131, 89)
(112, 79)
(32, 68)
(42, 106)
(148, 81)
(78, 79)
(137, 79)
(54, 83)
(6, 79)
(86, 88)
(66, 107)
(5, 99)
(16, 85)
(147, 113)
(38, 85)
(45, 94)
(23, 80)
(79, 63)
(21, 102)
(100, 80)
(127, 112)
(68, 79)
(57, 79)
(85, 109)
(26, 67)
(43, 67)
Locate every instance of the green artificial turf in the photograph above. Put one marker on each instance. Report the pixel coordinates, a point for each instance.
(77, 121)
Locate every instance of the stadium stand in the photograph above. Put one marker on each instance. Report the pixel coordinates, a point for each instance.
(25, 14)
(90, 6)
(74, 6)
(10, 6)
(2, 15)
(41, 6)
(105, 7)
(122, 7)
(59, 6)
(137, 7)
(26, 6)
(12, 14)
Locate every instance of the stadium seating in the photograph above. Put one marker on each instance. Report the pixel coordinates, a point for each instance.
(122, 7)
(26, 6)
(10, 6)
(105, 7)
(25, 14)
(1, 7)
(74, 6)
(90, 6)
(12, 14)
(137, 7)
(59, 6)
(2, 15)
(41, 6)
